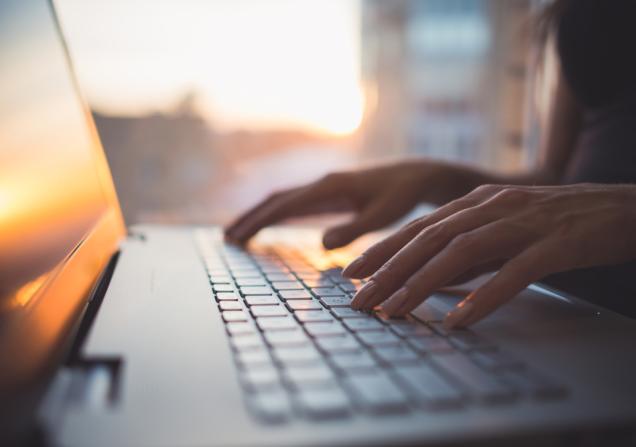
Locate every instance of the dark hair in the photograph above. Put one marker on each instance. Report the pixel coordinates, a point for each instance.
(548, 18)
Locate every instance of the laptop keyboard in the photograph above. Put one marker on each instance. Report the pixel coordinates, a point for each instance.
(301, 351)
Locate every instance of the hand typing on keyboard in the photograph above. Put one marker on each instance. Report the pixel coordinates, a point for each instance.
(379, 196)
(524, 232)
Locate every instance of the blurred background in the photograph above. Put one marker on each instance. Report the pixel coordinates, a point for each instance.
(205, 106)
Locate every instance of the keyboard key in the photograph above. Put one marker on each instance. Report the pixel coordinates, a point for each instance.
(438, 327)
(339, 344)
(223, 287)
(408, 328)
(369, 324)
(240, 264)
(276, 323)
(308, 275)
(287, 285)
(234, 315)
(254, 358)
(305, 316)
(260, 378)
(296, 337)
(318, 282)
(377, 394)
(304, 305)
(348, 287)
(353, 362)
(289, 356)
(295, 294)
(274, 277)
(251, 273)
(324, 329)
(396, 355)
(251, 282)
(264, 290)
(336, 301)
(227, 296)
(430, 345)
(323, 403)
(309, 376)
(468, 341)
(335, 274)
(247, 342)
(275, 269)
(495, 360)
(429, 387)
(220, 279)
(240, 328)
(218, 272)
(379, 338)
(481, 384)
(270, 406)
(326, 291)
(347, 312)
(261, 300)
(276, 310)
(230, 305)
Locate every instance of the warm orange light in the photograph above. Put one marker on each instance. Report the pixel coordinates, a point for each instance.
(253, 64)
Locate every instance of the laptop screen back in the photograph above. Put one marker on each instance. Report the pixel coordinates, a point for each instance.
(52, 190)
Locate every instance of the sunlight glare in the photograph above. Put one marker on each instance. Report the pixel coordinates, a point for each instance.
(252, 63)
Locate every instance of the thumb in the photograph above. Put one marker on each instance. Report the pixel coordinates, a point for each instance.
(377, 214)
(341, 235)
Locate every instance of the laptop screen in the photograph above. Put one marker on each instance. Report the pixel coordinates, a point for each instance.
(50, 190)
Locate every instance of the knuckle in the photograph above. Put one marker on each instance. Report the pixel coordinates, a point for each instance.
(435, 233)
(487, 190)
(387, 275)
(277, 194)
(512, 195)
(465, 242)
(415, 226)
(332, 178)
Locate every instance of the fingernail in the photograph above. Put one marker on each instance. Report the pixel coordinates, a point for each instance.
(363, 295)
(456, 316)
(331, 239)
(395, 301)
(353, 268)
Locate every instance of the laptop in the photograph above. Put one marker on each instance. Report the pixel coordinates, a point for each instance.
(166, 336)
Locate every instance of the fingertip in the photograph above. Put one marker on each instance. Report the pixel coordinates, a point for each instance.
(393, 304)
(353, 268)
(459, 316)
(331, 240)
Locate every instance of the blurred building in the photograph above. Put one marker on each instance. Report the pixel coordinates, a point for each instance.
(160, 162)
(174, 167)
(446, 79)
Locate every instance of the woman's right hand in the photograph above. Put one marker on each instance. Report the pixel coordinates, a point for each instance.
(378, 196)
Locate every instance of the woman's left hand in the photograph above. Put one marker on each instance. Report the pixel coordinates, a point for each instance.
(526, 233)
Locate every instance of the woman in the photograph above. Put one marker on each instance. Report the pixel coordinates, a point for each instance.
(489, 222)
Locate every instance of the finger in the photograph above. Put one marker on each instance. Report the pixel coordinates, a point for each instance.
(379, 213)
(531, 265)
(476, 272)
(286, 205)
(491, 242)
(376, 255)
(388, 278)
(230, 231)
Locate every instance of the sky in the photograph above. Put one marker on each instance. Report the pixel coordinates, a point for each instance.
(252, 63)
